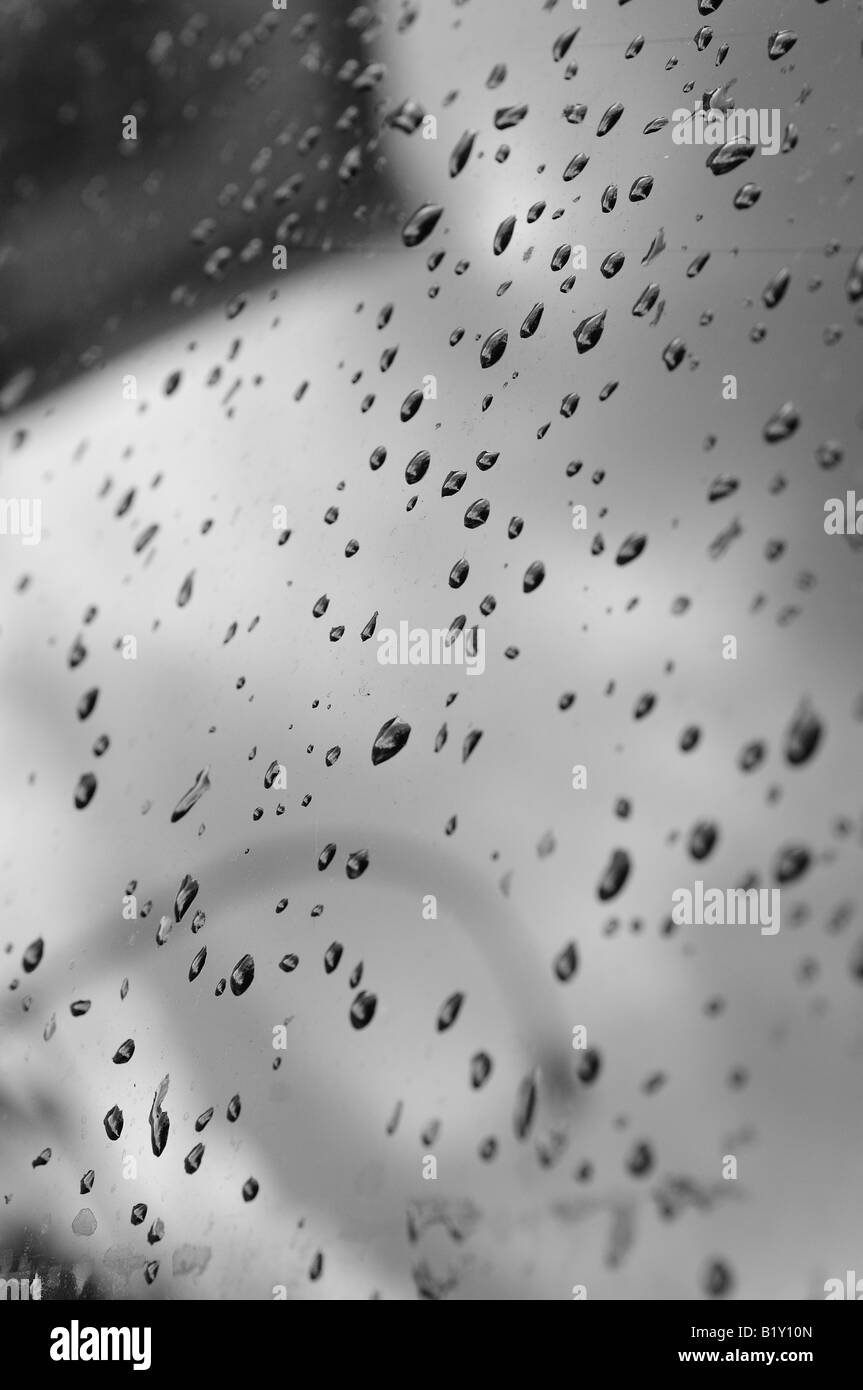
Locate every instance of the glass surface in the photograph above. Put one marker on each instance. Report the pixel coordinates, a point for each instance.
(327, 976)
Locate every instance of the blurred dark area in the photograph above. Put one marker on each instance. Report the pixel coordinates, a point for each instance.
(32, 1257)
(254, 127)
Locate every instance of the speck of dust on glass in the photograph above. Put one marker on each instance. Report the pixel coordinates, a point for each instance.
(431, 530)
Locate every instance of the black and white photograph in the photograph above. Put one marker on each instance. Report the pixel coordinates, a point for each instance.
(431, 558)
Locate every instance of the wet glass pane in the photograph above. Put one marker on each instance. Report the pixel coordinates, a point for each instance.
(431, 641)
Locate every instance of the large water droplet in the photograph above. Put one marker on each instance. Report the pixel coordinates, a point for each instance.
(192, 1161)
(390, 739)
(160, 1124)
(421, 224)
(631, 548)
(33, 955)
(730, 155)
(242, 975)
(190, 798)
(357, 863)
(803, 736)
(531, 321)
(610, 118)
(85, 790)
(783, 424)
(477, 513)
(503, 235)
(780, 43)
(589, 332)
(417, 468)
(363, 1009)
(113, 1122)
(461, 152)
(493, 348)
(533, 576)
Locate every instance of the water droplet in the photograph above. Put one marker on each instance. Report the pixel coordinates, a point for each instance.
(508, 116)
(363, 1009)
(576, 165)
(751, 755)
(563, 43)
(566, 962)
(421, 224)
(87, 703)
(186, 894)
(185, 592)
(642, 188)
(533, 576)
(493, 348)
(192, 1161)
(775, 290)
(85, 790)
(503, 235)
(631, 548)
(645, 301)
(113, 1122)
(730, 155)
(854, 283)
(159, 1122)
(198, 964)
(390, 739)
(326, 856)
(525, 1107)
(589, 332)
(461, 152)
(610, 118)
(33, 955)
(357, 863)
(615, 875)
(458, 574)
(803, 736)
(673, 353)
(480, 1069)
(332, 956)
(702, 839)
(477, 513)
(747, 196)
(242, 975)
(190, 798)
(718, 1279)
(791, 863)
(532, 321)
(84, 1223)
(782, 424)
(722, 487)
(418, 467)
(780, 43)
